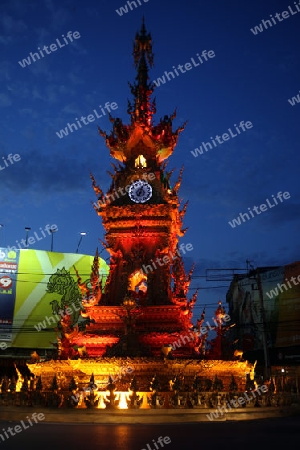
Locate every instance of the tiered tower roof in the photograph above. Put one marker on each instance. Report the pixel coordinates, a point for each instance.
(158, 141)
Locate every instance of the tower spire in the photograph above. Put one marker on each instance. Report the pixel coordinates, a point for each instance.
(158, 141)
(143, 47)
(142, 108)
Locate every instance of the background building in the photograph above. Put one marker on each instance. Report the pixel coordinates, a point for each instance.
(280, 297)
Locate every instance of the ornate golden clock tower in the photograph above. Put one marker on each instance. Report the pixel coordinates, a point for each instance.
(142, 315)
(141, 215)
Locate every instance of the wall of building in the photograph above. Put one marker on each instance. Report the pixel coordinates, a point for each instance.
(281, 300)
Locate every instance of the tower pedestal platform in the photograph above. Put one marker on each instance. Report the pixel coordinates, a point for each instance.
(122, 371)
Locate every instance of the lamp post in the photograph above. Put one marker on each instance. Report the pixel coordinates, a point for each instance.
(1, 226)
(83, 233)
(128, 304)
(264, 329)
(27, 229)
(52, 231)
(283, 374)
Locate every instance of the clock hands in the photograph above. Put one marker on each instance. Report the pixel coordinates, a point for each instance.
(139, 192)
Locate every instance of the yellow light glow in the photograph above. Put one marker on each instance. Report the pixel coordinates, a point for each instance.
(20, 380)
(136, 279)
(140, 161)
(123, 403)
(102, 396)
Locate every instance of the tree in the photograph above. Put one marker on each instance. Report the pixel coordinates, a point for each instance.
(24, 387)
(54, 385)
(217, 384)
(72, 385)
(39, 384)
(12, 385)
(233, 386)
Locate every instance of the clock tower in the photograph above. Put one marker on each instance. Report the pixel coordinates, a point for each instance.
(142, 215)
(141, 318)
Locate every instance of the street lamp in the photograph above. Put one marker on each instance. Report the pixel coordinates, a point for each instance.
(27, 229)
(83, 233)
(52, 231)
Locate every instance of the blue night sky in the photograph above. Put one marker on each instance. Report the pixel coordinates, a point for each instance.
(250, 78)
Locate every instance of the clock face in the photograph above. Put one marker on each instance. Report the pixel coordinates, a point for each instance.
(140, 191)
